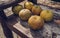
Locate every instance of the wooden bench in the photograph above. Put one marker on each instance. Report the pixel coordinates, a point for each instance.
(15, 24)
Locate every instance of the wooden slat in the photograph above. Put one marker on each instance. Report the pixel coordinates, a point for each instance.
(49, 3)
(11, 3)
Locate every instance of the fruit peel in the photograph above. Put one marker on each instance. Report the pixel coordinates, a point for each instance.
(36, 9)
(17, 8)
(36, 22)
(24, 14)
(47, 15)
(28, 5)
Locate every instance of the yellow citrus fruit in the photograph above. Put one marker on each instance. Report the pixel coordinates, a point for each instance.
(24, 14)
(28, 5)
(47, 15)
(36, 22)
(17, 8)
(36, 10)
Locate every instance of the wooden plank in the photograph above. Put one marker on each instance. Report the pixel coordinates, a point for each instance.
(9, 4)
(49, 3)
(15, 35)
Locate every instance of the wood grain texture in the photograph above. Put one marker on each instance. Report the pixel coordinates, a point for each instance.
(9, 4)
(22, 29)
(49, 3)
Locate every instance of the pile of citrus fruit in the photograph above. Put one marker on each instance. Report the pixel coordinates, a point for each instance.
(34, 14)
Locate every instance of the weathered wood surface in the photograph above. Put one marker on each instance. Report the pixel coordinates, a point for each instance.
(5, 4)
(19, 26)
(50, 3)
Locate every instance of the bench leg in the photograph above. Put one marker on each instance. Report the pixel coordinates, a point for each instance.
(6, 30)
(2, 14)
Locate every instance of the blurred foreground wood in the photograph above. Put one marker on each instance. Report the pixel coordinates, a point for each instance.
(4, 30)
